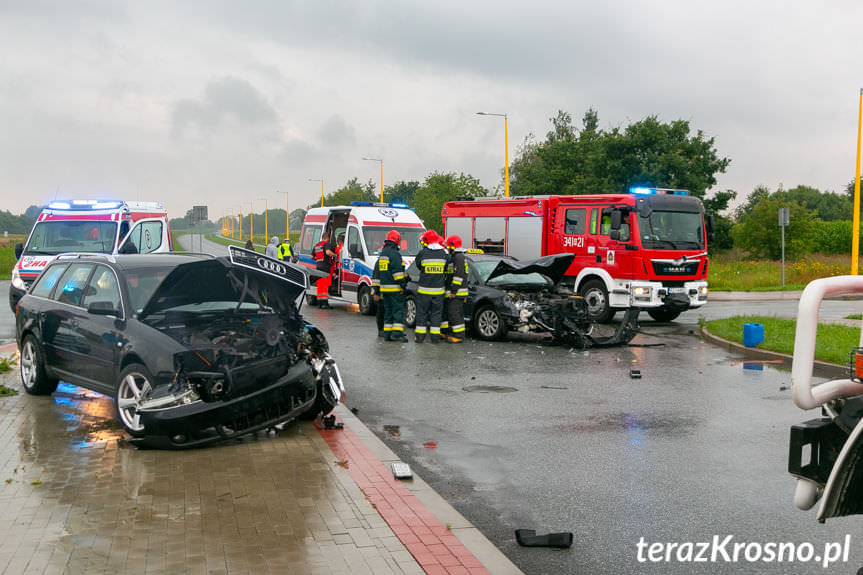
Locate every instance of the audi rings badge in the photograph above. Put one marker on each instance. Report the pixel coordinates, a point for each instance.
(272, 266)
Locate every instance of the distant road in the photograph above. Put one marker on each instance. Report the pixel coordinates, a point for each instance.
(199, 244)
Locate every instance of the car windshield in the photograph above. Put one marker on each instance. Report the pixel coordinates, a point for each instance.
(485, 267)
(409, 246)
(51, 238)
(141, 283)
(671, 230)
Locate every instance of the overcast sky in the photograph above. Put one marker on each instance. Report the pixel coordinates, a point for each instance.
(224, 103)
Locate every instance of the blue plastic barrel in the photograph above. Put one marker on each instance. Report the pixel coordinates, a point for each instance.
(753, 334)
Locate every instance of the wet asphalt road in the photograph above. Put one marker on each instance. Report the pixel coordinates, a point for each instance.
(524, 435)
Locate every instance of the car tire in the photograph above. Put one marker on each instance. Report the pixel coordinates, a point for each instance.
(133, 384)
(410, 311)
(33, 376)
(663, 314)
(366, 302)
(488, 324)
(599, 307)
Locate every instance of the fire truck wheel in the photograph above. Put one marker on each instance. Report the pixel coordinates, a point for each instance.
(410, 311)
(663, 314)
(598, 307)
(366, 303)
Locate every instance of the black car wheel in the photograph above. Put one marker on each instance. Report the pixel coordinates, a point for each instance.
(598, 306)
(365, 301)
(33, 369)
(133, 387)
(410, 311)
(663, 314)
(488, 324)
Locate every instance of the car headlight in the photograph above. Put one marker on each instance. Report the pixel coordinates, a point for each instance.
(17, 282)
(702, 290)
(641, 291)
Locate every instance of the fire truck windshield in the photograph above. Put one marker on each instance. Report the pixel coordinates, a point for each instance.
(57, 237)
(666, 230)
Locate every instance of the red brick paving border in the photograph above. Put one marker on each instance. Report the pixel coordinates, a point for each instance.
(434, 547)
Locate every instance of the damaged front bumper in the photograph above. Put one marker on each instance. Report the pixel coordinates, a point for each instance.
(186, 425)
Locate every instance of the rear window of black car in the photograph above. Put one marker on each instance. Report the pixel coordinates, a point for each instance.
(46, 282)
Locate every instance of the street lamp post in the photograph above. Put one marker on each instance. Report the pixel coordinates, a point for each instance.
(241, 222)
(252, 222)
(505, 148)
(382, 174)
(287, 217)
(322, 189)
(266, 231)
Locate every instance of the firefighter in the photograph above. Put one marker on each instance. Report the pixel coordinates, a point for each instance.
(392, 280)
(335, 253)
(284, 251)
(457, 275)
(323, 262)
(431, 262)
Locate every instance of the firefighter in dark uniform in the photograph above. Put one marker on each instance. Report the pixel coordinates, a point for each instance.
(431, 262)
(376, 295)
(391, 271)
(457, 274)
(323, 262)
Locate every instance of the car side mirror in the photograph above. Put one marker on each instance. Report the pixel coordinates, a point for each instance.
(101, 308)
(711, 227)
(19, 249)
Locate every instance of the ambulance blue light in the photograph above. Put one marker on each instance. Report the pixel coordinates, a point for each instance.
(86, 205)
(59, 205)
(361, 203)
(398, 205)
(642, 191)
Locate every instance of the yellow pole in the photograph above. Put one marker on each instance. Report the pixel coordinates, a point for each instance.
(322, 193)
(506, 153)
(382, 181)
(855, 234)
(252, 222)
(266, 230)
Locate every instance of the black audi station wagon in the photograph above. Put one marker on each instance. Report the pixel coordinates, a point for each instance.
(192, 348)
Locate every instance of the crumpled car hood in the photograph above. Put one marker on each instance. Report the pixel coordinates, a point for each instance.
(242, 276)
(553, 266)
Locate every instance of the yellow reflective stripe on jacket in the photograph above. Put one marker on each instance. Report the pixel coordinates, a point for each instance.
(391, 288)
(431, 291)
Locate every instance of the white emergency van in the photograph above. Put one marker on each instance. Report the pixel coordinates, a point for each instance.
(101, 226)
(365, 226)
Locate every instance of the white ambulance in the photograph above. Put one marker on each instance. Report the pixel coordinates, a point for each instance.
(365, 226)
(102, 226)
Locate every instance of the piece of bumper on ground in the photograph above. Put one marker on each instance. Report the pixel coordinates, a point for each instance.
(199, 423)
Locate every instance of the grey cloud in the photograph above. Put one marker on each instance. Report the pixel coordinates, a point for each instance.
(225, 98)
(335, 131)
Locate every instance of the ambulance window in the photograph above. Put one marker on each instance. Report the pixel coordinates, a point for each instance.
(594, 217)
(311, 236)
(575, 221)
(355, 246)
(146, 237)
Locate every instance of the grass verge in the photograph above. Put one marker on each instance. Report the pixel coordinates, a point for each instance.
(733, 272)
(7, 254)
(833, 344)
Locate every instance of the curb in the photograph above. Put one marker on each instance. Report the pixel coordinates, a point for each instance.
(820, 368)
(491, 558)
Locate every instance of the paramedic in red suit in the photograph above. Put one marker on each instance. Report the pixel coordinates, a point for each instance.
(323, 255)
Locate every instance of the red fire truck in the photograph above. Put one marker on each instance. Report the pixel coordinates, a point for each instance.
(645, 249)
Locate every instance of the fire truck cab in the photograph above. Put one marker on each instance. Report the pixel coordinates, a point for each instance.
(100, 226)
(645, 249)
(365, 226)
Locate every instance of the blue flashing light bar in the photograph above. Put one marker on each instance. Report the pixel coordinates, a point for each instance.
(85, 205)
(379, 205)
(642, 191)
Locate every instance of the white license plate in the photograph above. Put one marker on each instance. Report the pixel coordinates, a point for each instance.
(677, 290)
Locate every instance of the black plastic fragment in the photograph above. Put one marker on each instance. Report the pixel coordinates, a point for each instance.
(635, 373)
(529, 538)
(330, 423)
